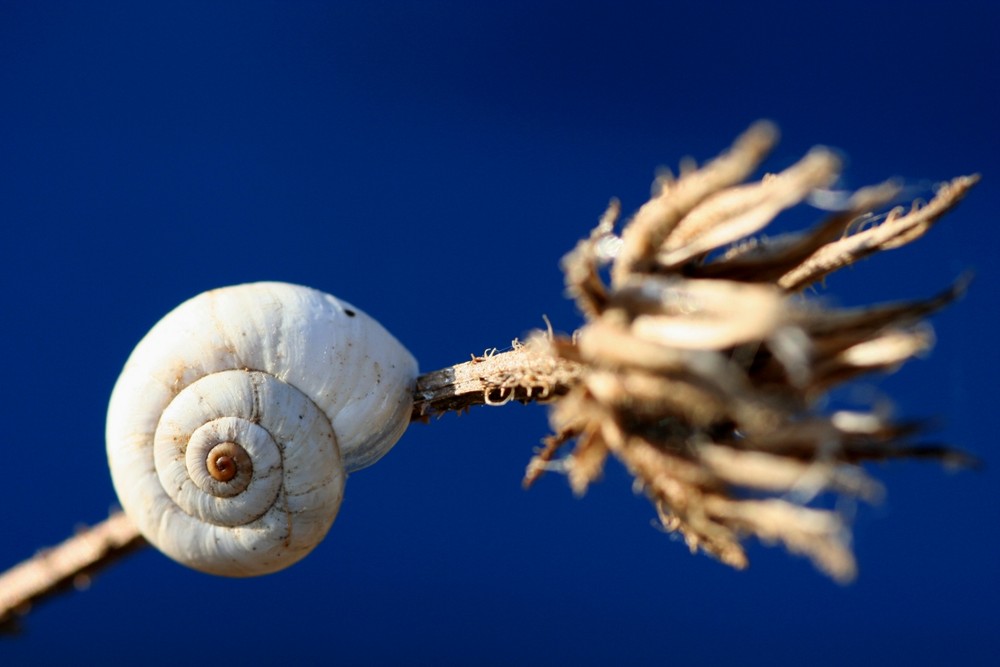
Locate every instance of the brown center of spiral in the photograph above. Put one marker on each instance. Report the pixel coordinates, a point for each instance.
(225, 460)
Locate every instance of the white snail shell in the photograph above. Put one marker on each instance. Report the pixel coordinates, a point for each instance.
(236, 419)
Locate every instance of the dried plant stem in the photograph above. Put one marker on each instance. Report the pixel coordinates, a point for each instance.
(699, 366)
(524, 373)
(528, 372)
(66, 566)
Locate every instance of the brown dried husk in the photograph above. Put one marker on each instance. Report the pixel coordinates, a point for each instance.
(702, 362)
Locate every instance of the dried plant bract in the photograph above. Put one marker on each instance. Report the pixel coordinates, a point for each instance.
(701, 363)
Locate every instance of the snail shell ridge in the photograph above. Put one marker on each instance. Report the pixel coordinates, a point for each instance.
(236, 419)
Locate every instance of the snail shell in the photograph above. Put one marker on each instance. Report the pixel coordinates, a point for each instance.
(236, 419)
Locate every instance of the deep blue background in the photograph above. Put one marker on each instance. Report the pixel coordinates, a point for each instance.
(430, 162)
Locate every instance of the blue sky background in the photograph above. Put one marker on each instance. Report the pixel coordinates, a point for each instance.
(430, 162)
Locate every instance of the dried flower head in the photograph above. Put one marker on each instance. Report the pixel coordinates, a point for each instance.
(701, 363)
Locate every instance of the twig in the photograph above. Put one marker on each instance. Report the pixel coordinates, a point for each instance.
(67, 566)
(697, 368)
(528, 372)
(523, 374)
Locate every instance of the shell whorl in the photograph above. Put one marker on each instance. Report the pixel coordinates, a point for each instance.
(236, 419)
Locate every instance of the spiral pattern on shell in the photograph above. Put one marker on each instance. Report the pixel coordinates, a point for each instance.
(234, 424)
